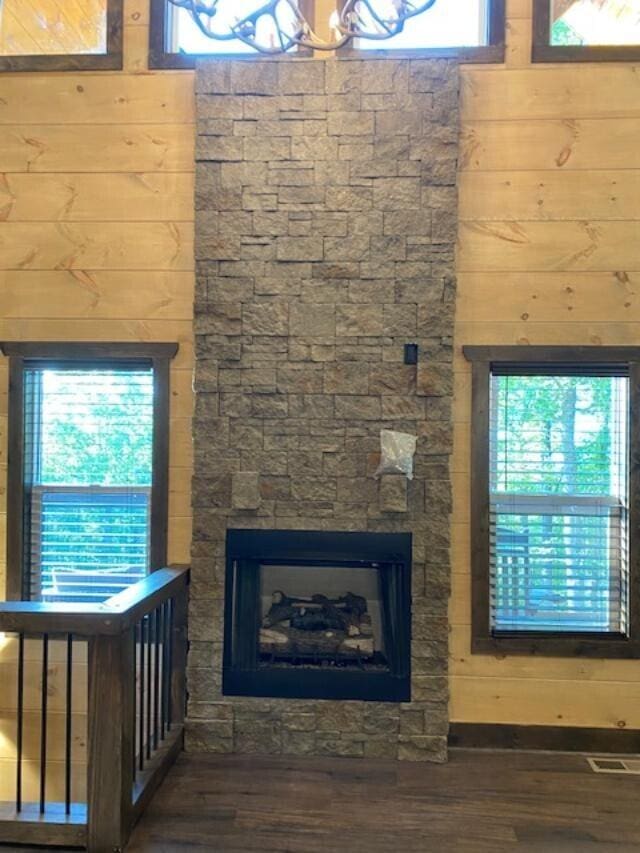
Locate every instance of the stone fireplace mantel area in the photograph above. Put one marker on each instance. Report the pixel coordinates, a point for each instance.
(325, 230)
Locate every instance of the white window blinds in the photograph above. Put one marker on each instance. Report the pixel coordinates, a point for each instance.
(88, 437)
(558, 499)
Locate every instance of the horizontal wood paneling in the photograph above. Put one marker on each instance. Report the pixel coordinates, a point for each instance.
(605, 90)
(539, 701)
(97, 148)
(150, 197)
(462, 662)
(524, 332)
(97, 294)
(548, 195)
(97, 99)
(96, 245)
(566, 297)
(588, 245)
(565, 143)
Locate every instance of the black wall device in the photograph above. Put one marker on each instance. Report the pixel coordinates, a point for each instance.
(411, 353)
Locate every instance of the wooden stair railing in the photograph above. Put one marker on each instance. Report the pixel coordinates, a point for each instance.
(132, 706)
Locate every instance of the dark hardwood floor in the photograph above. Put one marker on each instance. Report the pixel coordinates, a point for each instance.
(480, 801)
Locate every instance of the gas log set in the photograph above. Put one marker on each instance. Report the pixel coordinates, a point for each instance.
(317, 629)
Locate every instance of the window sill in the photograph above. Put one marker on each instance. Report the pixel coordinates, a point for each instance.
(187, 61)
(547, 644)
(76, 62)
(589, 53)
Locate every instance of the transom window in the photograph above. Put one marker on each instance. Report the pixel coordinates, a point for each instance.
(472, 30)
(452, 23)
(88, 484)
(60, 35)
(583, 30)
(554, 561)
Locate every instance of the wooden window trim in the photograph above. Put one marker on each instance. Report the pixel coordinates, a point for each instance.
(493, 51)
(161, 58)
(21, 354)
(109, 61)
(546, 643)
(543, 51)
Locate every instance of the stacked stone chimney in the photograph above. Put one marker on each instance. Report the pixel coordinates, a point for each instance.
(326, 223)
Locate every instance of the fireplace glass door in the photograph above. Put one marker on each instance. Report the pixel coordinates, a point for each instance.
(317, 617)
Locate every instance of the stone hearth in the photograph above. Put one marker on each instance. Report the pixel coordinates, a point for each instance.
(326, 222)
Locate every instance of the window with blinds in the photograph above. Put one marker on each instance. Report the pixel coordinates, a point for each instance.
(558, 459)
(88, 440)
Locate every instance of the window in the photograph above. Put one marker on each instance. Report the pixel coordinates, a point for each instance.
(554, 558)
(584, 30)
(87, 468)
(472, 30)
(176, 41)
(60, 35)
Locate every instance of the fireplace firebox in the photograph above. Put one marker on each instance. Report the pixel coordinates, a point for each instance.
(322, 615)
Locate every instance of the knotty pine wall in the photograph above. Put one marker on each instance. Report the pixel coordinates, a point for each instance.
(96, 244)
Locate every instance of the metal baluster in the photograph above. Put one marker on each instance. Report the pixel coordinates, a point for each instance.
(134, 636)
(68, 710)
(170, 666)
(149, 686)
(20, 722)
(163, 680)
(43, 722)
(141, 696)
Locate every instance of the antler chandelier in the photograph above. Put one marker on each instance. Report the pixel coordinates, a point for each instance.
(280, 25)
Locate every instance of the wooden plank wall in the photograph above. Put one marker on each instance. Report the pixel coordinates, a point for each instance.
(96, 225)
(549, 253)
(96, 244)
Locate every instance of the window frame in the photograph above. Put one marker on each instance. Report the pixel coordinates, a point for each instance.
(160, 58)
(112, 60)
(22, 354)
(550, 643)
(493, 51)
(543, 51)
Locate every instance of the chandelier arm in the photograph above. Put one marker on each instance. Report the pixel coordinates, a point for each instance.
(246, 28)
(196, 9)
(378, 20)
(351, 15)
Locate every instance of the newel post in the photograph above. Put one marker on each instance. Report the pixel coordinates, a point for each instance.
(110, 741)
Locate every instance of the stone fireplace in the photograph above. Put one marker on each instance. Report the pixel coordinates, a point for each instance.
(326, 222)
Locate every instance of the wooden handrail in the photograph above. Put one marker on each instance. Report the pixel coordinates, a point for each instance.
(112, 617)
(137, 600)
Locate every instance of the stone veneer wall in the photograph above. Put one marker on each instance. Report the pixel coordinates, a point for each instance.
(326, 222)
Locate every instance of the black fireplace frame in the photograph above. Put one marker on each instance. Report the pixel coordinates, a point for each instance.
(246, 550)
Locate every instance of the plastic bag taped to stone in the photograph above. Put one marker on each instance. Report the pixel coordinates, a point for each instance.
(396, 453)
